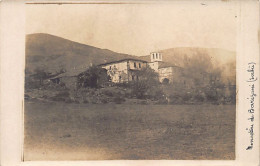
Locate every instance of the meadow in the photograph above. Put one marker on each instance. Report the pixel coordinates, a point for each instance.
(69, 131)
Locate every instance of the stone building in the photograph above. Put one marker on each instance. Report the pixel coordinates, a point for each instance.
(125, 70)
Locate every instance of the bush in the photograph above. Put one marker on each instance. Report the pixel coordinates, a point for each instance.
(94, 77)
(162, 101)
(139, 88)
(155, 93)
(85, 101)
(175, 99)
(123, 85)
(148, 81)
(107, 92)
(199, 97)
(61, 96)
(119, 100)
(186, 97)
(104, 100)
(68, 100)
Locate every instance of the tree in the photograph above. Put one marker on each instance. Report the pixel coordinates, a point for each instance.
(198, 67)
(94, 77)
(40, 74)
(147, 84)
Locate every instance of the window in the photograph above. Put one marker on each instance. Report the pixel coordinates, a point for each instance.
(137, 78)
(119, 78)
(139, 65)
(153, 55)
(156, 56)
(133, 77)
(134, 64)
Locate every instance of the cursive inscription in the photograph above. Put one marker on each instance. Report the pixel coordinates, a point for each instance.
(251, 70)
(251, 110)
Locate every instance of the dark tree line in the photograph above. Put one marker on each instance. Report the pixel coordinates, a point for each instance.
(94, 77)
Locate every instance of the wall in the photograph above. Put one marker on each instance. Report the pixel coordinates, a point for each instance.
(154, 66)
(166, 73)
(131, 64)
(175, 76)
(117, 71)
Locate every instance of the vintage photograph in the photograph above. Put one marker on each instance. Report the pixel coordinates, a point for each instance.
(130, 81)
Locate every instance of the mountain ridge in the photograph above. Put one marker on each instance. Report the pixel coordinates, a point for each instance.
(54, 53)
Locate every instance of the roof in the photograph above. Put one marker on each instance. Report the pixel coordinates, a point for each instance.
(122, 60)
(71, 73)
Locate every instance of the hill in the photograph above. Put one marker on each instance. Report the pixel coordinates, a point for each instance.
(54, 53)
(215, 58)
(176, 56)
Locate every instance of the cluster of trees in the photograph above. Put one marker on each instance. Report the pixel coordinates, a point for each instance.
(206, 79)
(207, 82)
(35, 78)
(208, 89)
(146, 86)
(94, 77)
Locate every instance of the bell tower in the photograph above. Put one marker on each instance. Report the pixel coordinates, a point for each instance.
(156, 57)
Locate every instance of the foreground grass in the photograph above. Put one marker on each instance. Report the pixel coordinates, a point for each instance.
(59, 131)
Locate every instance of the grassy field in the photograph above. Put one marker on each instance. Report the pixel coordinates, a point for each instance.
(59, 131)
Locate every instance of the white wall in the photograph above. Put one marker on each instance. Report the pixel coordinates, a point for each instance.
(117, 71)
(165, 73)
(131, 64)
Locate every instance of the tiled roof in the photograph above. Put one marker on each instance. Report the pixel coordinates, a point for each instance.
(122, 60)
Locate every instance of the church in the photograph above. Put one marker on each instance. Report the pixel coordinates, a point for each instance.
(125, 70)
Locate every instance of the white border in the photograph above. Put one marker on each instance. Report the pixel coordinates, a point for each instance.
(12, 76)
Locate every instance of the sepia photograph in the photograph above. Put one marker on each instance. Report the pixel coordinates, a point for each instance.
(130, 81)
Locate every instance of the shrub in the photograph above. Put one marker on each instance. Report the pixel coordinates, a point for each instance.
(119, 100)
(199, 97)
(61, 96)
(68, 100)
(85, 101)
(94, 77)
(186, 97)
(108, 92)
(175, 99)
(155, 93)
(162, 101)
(104, 100)
(148, 81)
(143, 102)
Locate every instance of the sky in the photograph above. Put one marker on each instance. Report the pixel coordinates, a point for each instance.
(138, 29)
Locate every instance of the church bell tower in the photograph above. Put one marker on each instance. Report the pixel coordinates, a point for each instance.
(156, 57)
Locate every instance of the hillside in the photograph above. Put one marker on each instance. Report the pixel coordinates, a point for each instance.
(177, 55)
(219, 58)
(54, 53)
